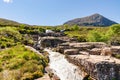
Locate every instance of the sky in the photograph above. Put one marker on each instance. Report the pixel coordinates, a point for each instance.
(56, 12)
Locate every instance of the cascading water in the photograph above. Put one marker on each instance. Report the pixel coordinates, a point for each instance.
(62, 68)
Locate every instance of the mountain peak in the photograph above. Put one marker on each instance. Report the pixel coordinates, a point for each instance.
(96, 14)
(92, 20)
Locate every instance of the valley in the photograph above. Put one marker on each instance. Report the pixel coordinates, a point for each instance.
(64, 52)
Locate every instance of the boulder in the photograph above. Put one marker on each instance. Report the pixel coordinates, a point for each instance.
(71, 51)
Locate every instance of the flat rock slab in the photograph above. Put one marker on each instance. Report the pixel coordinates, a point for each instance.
(71, 51)
(98, 67)
(115, 49)
(95, 58)
(95, 51)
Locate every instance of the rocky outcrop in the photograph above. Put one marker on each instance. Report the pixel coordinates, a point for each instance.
(93, 48)
(51, 34)
(63, 47)
(44, 42)
(95, 51)
(71, 51)
(94, 59)
(115, 49)
(50, 42)
(98, 67)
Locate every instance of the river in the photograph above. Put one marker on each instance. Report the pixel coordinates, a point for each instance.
(62, 68)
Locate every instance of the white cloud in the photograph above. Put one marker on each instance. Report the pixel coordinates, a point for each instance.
(8, 1)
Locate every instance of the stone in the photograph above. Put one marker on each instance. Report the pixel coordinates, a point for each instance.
(95, 51)
(50, 42)
(71, 51)
(84, 53)
(87, 45)
(62, 48)
(115, 49)
(45, 77)
(55, 77)
(96, 67)
(106, 51)
(81, 46)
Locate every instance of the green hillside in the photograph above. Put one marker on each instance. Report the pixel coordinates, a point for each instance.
(8, 22)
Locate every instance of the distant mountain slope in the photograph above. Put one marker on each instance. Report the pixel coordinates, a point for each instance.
(8, 22)
(93, 20)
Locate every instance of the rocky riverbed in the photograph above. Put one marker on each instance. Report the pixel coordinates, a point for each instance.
(79, 61)
(62, 68)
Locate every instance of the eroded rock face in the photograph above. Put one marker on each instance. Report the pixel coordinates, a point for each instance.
(44, 42)
(108, 71)
(93, 48)
(50, 42)
(98, 67)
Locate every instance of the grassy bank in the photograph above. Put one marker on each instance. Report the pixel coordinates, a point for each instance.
(20, 63)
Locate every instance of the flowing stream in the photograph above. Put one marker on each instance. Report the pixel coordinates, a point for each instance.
(62, 68)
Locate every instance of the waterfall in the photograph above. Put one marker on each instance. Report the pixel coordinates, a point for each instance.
(62, 68)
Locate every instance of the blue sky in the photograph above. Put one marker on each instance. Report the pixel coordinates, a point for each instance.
(56, 12)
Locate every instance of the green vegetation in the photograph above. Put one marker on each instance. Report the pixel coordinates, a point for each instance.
(16, 61)
(91, 34)
(109, 35)
(114, 34)
(9, 37)
(21, 64)
(117, 56)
